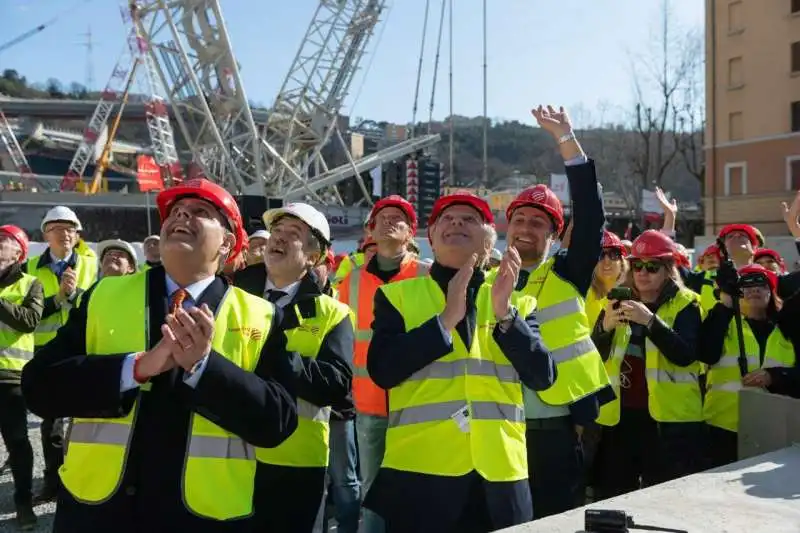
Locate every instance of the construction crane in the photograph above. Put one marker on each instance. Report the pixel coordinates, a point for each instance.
(136, 52)
(105, 157)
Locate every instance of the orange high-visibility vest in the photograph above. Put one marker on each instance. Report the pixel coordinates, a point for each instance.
(358, 290)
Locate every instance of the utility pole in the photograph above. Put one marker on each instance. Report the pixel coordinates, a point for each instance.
(88, 43)
(485, 176)
(451, 121)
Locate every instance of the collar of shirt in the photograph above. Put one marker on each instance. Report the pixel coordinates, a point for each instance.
(290, 290)
(55, 262)
(195, 290)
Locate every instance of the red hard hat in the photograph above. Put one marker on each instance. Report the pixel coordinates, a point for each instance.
(768, 252)
(757, 273)
(654, 244)
(540, 197)
(461, 198)
(212, 193)
(751, 232)
(712, 249)
(612, 241)
(19, 235)
(398, 202)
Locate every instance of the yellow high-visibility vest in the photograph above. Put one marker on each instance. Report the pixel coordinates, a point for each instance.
(566, 331)
(464, 411)
(707, 298)
(16, 348)
(594, 306)
(721, 408)
(220, 467)
(673, 391)
(86, 270)
(309, 444)
(352, 261)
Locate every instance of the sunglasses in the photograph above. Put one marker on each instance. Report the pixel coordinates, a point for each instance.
(651, 268)
(612, 254)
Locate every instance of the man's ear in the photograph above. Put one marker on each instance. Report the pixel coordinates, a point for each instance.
(228, 244)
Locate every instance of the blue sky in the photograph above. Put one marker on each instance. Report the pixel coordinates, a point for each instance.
(571, 52)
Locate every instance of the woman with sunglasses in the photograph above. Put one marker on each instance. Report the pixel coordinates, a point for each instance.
(768, 353)
(610, 270)
(653, 431)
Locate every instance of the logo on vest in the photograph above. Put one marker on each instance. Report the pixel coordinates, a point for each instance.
(251, 333)
(314, 330)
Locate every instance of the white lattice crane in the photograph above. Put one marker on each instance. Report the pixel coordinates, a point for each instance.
(305, 112)
(193, 58)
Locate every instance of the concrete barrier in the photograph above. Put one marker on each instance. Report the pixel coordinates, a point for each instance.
(767, 422)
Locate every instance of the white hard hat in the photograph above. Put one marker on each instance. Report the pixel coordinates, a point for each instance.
(496, 254)
(116, 244)
(151, 238)
(308, 214)
(61, 213)
(260, 234)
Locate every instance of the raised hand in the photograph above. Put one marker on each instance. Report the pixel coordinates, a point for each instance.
(669, 206)
(456, 306)
(557, 123)
(791, 214)
(505, 282)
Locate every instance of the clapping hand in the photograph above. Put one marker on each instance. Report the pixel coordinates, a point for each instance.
(505, 282)
(189, 334)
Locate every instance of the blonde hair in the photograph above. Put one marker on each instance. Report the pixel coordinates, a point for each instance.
(599, 287)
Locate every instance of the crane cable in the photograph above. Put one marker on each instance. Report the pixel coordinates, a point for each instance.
(436, 65)
(41, 27)
(419, 68)
(371, 59)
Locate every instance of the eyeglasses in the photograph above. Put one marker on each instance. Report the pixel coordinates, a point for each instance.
(651, 268)
(612, 253)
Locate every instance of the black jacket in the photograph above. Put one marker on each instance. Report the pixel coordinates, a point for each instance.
(678, 344)
(63, 381)
(324, 380)
(22, 317)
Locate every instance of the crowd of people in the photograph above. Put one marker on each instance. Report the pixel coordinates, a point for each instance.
(262, 383)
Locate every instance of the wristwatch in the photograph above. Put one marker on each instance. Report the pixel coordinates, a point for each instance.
(567, 137)
(506, 321)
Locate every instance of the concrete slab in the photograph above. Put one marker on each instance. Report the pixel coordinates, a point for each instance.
(761, 494)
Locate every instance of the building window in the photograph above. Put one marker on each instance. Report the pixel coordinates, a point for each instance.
(793, 173)
(796, 115)
(735, 126)
(735, 18)
(735, 72)
(795, 6)
(735, 179)
(796, 57)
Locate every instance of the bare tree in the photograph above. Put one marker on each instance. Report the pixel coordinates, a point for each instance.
(660, 82)
(690, 134)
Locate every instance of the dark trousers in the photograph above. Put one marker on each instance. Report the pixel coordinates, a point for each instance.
(640, 452)
(555, 466)
(288, 499)
(52, 431)
(723, 447)
(14, 430)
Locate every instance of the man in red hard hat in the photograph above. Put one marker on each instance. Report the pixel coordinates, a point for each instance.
(770, 259)
(21, 305)
(171, 378)
(392, 225)
(453, 349)
(560, 282)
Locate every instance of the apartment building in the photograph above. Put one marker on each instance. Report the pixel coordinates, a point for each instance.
(752, 111)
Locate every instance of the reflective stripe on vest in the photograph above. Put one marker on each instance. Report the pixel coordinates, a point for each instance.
(565, 330)
(219, 467)
(724, 381)
(85, 431)
(463, 412)
(673, 391)
(16, 347)
(86, 270)
(308, 446)
(358, 291)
